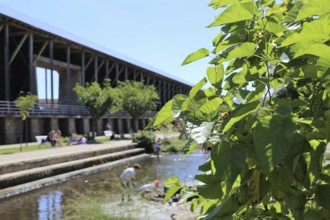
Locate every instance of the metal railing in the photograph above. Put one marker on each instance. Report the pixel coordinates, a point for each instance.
(9, 108)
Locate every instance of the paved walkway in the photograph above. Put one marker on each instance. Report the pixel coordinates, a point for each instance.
(58, 151)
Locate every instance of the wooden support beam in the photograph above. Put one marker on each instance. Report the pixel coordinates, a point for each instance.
(96, 75)
(19, 46)
(33, 88)
(82, 81)
(51, 61)
(6, 63)
(89, 62)
(100, 66)
(40, 52)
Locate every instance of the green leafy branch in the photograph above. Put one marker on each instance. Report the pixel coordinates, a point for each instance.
(266, 114)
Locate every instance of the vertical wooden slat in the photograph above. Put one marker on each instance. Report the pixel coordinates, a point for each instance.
(51, 59)
(31, 65)
(82, 80)
(68, 72)
(95, 69)
(6, 63)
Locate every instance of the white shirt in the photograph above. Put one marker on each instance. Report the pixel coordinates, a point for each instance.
(150, 186)
(128, 173)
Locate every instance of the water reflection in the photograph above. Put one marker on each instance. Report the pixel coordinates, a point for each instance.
(47, 203)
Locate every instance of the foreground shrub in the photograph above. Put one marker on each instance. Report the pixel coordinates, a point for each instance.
(266, 112)
(145, 139)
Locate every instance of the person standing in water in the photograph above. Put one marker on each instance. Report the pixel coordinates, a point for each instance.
(157, 147)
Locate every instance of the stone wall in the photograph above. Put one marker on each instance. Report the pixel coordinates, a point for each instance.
(11, 127)
(12, 130)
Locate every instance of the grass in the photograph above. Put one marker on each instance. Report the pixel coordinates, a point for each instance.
(173, 145)
(33, 147)
(101, 200)
(18, 149)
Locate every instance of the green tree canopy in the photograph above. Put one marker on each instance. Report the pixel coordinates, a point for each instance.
(267, 113)
(98, 99)
(24, 103)
(137, 99)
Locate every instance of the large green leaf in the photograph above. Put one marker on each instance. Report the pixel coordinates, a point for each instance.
(314, 7)
(215, 75)
(197, 87)
(313, 214)
(271, 26)
(221, 3)
(210, 191)
(199, 54)
(241, 112)
(240, 77)
(196, 118)
(317, 31)
(275, 28)
(322, 196)
(315, 161)
(230, 15)
(256, 94)
(178, 100)
(244, 50)
(292, 15)
(210, 92)
(219, 38)
(164, 114)
(202, 132)
(172, 191)
(187, 194)
(190, 146)
(211, 106)
(234, 39)
(320, 50)
(327, 124)
(272, 139)
(171, 180)
(226, 208)
(223, 46)
(241, 95)
(228, 160)
(300, 171)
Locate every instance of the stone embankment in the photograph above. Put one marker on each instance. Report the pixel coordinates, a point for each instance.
(23, 172)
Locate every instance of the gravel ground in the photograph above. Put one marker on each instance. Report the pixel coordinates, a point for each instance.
(141, 208)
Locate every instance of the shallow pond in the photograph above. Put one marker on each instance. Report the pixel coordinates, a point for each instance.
(50, 202)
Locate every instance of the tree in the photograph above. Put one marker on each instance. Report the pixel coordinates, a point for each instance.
(24, 103)
(98, 100)
(267, 159)
(137, 99)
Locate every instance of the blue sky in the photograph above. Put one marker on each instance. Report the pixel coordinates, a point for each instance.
(159, 33)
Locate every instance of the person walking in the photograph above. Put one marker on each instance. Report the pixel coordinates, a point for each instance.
(128, 180)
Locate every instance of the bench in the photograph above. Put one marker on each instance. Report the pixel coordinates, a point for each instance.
(42, 139)
(108, 133)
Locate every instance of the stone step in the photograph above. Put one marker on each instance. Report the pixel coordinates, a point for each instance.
(59, 167)
(37, 184)
(46, 160)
